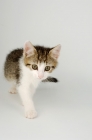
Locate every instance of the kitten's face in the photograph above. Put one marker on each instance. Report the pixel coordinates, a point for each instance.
(40, 70)
(41, 61)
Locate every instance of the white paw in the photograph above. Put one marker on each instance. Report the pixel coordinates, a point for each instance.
(31, 114)
(13, 90)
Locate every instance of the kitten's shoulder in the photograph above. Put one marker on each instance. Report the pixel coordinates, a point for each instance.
(15, 54)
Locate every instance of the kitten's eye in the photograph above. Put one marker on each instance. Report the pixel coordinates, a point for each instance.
(47, 68)
(35, 67)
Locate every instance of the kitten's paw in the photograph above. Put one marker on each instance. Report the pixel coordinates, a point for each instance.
(13, 90)
(30, 114)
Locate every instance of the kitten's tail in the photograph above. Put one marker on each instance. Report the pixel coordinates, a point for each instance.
(50, 79)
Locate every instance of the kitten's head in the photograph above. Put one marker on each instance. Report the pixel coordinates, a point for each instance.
(40, 60)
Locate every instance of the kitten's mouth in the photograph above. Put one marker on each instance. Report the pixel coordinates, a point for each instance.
(39, 78)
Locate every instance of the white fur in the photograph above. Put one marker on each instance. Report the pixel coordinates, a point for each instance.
(40, 73)
(13, 90)
(29, 81)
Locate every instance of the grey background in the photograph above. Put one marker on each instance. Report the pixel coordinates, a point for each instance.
(64, 109)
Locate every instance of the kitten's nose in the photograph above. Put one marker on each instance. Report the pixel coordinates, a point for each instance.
(40, 76)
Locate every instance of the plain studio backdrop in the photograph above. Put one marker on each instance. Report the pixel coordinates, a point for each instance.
(64, 109)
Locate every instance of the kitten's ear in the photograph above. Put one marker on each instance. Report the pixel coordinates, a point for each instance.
(55, 52)
(29, 49)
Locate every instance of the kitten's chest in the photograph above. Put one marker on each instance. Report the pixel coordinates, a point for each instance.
(34, 82)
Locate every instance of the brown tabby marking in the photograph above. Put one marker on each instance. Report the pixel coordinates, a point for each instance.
(11, 66)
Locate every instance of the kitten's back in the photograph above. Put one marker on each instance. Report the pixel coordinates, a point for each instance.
(11, 66)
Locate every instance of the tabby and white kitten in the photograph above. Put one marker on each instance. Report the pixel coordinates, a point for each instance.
(27, 67)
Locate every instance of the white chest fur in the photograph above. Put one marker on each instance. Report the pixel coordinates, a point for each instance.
(27, 78)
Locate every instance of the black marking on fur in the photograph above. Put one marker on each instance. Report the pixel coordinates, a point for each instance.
(50, 79)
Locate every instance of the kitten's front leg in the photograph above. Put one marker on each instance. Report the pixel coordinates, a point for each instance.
(24, 93)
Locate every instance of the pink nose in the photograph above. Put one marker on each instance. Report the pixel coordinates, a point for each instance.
(40, 76)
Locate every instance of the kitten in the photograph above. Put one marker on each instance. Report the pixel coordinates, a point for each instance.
(27, 67)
